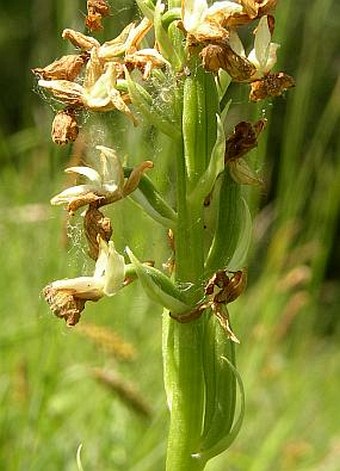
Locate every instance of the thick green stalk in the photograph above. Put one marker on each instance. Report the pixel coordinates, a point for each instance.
(183, 365)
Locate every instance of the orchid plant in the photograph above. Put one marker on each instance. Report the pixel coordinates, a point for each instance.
(197, 53)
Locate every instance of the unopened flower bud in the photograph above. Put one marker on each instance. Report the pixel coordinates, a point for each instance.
(65, 128)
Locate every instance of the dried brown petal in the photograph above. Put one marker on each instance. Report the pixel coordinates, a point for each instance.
(270, 86)
(65, 128)
(83, 200)
(66, 68)
(135, 176)
(80, 40)
(95, 223)
(243, 139)
(96, 10)
(207, 32)
(233, 288)
(223, 318)
(93, 20)
(144, 60)
(70, 93)
(252, 9)
(215, 57)
(99, 6)
(64, 304)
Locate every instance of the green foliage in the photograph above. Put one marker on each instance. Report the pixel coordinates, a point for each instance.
(286, 320)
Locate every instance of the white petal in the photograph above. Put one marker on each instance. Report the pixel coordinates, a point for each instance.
(262, 42)
(102, 259)
(272, 58)
(88, 172)
(111, 168)
(236, 44)
(73, 192)
(62, 86)
(268, 65)
(85, 287)
(115, 272)
(193, 13)
(226, 8)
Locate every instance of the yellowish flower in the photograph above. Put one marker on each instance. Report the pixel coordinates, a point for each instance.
(105, 186)
(263, 55)
(231, 55)
(67, 297)
(205, 24)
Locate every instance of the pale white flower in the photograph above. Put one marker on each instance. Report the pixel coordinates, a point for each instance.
(197, 12)
(107, 279)
(193, 14)
(263, 55)
(67, 297)
(107, 183)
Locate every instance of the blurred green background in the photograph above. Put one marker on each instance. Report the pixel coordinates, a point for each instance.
(100, 385)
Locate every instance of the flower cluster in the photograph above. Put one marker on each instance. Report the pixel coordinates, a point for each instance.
(214, 30)
(93, 79)
(98, 78)
(106, 185)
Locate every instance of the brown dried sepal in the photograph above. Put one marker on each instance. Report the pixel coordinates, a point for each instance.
(89, 198)
(66, 68)
(207, 32)
(96, 10)
(253, 9)
(64, 304)
(272, 85)
(256, 8)
(133, 181)
(80, 40)
(243, 139)
(95, 223)
(220, 290)
(223, 288)
(65, 128)
(222, 56)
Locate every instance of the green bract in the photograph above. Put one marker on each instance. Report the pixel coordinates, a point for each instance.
(158, 286)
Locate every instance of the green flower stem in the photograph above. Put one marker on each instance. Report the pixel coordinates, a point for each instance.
(182, 343)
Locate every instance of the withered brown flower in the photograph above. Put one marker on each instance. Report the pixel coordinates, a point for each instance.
(223, 56)
(66, 68)
(67, 297)
(65, 128)
(243, 139)
(271, 85)
(96, 224)
(96, 10)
